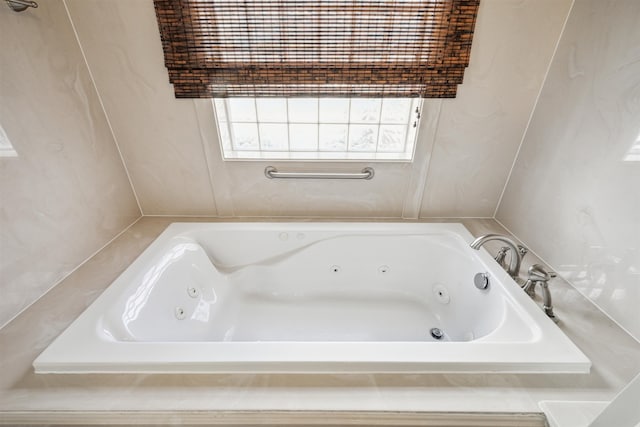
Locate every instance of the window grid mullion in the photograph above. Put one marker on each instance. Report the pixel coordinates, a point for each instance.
(229, 125)
(286, 103)
(348, 149)
(317, 125)
(375, 150)
(255, 107)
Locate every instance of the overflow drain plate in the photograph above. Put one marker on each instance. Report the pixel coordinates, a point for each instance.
(481, 280)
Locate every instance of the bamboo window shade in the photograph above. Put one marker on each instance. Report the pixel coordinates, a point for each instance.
(337, 48)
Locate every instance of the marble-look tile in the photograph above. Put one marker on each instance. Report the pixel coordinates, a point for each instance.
(623, 409)
(171, 150)
(572, 196)
(176, 395)
(255, 195)
(242, 189)
(66, 193)
(158, 134)
(425, 187)
(572, 414)
(479, 132)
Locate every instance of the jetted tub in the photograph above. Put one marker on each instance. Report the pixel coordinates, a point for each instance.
(312, 297)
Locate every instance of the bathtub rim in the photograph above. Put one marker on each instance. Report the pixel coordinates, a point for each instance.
(222, 357)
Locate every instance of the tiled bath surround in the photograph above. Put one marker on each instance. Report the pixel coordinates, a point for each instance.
(69, 119)
(66, 192)
(170, 147)
(179, 397)
(468, 143)
(573, 196)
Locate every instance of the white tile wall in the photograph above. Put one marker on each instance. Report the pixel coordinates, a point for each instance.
(572, 196)
(158, 134)
(463, 158)
(479, 132)
(66, 193)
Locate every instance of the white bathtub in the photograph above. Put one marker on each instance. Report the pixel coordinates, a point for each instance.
(312, 297)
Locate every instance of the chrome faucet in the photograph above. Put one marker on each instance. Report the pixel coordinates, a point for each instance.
(516, 252)
(539, 276)
(502, 253)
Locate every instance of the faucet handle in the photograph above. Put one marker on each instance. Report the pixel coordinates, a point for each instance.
(539, 274)
(523, 251)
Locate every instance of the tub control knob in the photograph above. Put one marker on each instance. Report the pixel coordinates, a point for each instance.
(481, 280)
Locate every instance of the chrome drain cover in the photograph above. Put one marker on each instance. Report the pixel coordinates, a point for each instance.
(437, 333)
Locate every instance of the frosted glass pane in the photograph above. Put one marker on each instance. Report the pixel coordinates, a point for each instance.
(303, 110)
(245, 136)
(312, 128)
(333, 138)
(392, 138)
(395, 110)
(334, 110)
(303, 137)
(365, 110)
(242, 109)
(273, 137)
(363, 137)
(272, 109)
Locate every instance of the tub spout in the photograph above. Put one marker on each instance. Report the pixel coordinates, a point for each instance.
(516, 252)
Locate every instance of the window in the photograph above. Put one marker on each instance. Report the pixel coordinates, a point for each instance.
(300, 79)
(318, 128)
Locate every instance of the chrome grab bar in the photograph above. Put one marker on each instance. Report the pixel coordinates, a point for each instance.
(20, 5)
(271, 173)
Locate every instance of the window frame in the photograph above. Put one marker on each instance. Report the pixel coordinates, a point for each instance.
(229, 153)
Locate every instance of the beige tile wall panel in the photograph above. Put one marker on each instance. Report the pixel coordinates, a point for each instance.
(66, 194)
(174, 160)
(479, 132)
(572, 196)
(157, 133)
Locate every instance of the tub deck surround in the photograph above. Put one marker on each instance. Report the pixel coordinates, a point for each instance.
(312, 298)
(26, 396)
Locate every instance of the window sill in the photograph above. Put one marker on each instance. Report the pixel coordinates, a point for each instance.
(316, 156)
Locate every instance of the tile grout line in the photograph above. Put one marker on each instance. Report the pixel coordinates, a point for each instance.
(71, 272)
(533, 110)
(104, 111)
(203, 142)
(432, 150)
